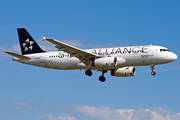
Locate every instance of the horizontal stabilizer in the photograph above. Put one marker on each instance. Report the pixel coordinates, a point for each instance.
(18, 56)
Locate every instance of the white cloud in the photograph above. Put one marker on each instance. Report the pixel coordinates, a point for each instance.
(15, 48)
(159, 110)
(103, 112)
(20, 104)
(75, 43)
(79, 44)
(106, 113)
(45, 102)
(47, 46)
(50, 117)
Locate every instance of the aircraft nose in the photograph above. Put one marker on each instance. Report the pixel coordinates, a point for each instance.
(173, 56)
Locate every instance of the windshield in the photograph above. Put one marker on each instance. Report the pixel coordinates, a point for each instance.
(162, 50)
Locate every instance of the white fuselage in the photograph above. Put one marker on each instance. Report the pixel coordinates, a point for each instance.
(134, 56)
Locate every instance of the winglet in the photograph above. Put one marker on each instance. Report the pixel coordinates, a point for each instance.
(43, 38)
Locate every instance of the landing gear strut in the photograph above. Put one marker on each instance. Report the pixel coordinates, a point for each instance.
(102, 78)
(88, 71)
(152, 68)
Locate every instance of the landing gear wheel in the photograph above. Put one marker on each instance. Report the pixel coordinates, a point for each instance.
(102, 78)
(88, 72)
(153, 73)
(152, 68)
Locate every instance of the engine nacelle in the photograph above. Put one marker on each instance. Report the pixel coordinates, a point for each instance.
(123, 72)
(120, 61)
(105, 62)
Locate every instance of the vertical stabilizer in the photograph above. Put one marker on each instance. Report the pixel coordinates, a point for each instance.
(27, 43)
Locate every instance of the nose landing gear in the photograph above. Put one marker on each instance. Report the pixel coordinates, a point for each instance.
(153, 73)
(152, 68)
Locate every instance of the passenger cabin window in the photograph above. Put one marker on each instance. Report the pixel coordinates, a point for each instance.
(162, 50)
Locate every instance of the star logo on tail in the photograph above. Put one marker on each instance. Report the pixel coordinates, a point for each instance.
(28, 45)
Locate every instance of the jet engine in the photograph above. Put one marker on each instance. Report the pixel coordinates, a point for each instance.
(123, 72)
(105, 62)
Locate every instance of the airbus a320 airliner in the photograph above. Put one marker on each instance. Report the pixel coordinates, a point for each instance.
(118, 60)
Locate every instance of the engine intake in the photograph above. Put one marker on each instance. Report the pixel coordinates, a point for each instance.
(123, 72)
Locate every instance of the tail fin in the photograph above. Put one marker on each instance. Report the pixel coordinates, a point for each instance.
(27, 43)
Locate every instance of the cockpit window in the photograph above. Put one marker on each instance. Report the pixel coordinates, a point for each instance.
(162, 50)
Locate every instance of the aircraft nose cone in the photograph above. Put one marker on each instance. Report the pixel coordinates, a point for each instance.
(173, 56)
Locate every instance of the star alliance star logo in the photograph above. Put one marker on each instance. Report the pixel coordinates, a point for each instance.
(28, 45)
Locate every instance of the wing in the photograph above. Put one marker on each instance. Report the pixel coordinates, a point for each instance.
(82, 55)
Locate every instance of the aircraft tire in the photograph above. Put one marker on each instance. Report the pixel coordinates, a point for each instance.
(153, 73)
(102, 78)
(88, 72)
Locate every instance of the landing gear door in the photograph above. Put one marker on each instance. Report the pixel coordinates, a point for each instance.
(150, 50)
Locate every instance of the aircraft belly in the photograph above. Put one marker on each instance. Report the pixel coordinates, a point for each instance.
(62, 63)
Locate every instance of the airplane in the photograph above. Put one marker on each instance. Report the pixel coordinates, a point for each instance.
(118, 60)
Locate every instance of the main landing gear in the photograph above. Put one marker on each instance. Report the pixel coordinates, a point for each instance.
(88, 72)
(152, 68)
(102, 78)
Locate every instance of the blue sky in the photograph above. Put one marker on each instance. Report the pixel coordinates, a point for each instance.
(33, 93)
